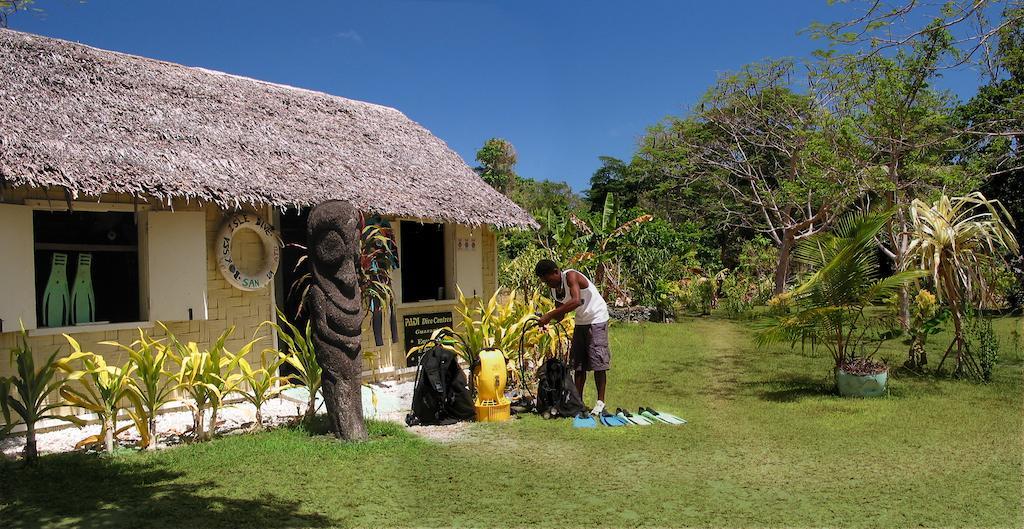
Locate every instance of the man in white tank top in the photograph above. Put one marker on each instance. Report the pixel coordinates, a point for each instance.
(572, 291)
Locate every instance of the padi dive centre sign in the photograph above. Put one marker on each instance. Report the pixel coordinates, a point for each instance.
(420, 327)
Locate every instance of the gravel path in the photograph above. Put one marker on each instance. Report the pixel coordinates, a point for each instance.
(393, 402)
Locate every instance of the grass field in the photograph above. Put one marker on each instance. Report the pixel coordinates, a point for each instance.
(768, 444)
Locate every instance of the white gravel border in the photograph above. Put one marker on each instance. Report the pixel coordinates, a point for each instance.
(393, 402)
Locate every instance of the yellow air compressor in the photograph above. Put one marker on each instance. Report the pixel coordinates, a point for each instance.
(491, 377)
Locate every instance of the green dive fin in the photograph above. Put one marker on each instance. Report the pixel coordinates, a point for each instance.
(635, 419)
(666, 418)
(83, 300)
(56, 299)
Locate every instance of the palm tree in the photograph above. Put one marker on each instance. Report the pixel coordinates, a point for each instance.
(957, 241)
(830, 304)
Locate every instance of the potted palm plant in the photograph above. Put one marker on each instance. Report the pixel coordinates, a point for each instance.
(831, 306)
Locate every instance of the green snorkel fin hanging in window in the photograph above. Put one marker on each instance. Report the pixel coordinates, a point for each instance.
(83, 300)
(56, 300)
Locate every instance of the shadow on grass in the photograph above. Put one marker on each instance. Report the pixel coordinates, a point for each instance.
(790, 388)
(83, 490)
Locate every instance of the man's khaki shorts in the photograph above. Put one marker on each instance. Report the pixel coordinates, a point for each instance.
(589, 350)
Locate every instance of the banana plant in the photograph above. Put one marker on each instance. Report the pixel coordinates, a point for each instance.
(262, 384)
(102, 389)
(26, 395)
(153, 380)
(301, 355)
(600, 237)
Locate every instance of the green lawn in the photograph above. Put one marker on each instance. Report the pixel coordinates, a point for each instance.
(767, 445)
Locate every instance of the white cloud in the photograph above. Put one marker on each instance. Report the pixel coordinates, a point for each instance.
(349, 34)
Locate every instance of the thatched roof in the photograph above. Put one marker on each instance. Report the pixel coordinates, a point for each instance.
(95, 121)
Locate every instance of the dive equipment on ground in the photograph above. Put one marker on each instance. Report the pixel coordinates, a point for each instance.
(556, 391)
(440, 393)
(635, 419)
(662, 417)
(608, 419)
(557, 395)
(583, 420)
(491, 372)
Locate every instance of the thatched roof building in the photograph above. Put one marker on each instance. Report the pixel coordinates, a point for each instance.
(93, 121)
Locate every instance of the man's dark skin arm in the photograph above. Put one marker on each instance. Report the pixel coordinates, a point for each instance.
(574, 281)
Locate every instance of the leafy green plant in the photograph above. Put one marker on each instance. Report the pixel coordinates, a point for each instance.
(758, 258)
(600, 237)
(378, 256)
(699, 294)
(926, 319)
(651, 257)
(517, 274)
(301, 356)
(27, 393)
(153, 380)
(739, 295)
(982, 343)
(191, 379)
(780, 305)
(220, 374)
(104, 390)
(830, 306)
(262, 383)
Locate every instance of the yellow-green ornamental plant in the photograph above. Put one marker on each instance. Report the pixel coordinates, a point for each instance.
(25, 397)
(103, 389)
(154, 381)
(208, 377)
(957, 240)
(302, 356)
(191, 379)
(261, 384)
(501, 325)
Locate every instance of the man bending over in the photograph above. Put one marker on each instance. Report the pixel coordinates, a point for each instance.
(572, 291)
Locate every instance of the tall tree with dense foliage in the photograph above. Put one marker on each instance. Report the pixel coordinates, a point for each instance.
(497, 163)
(614, 176)
(10, 7)
(909, 141)
(994, 124)
(777, 162)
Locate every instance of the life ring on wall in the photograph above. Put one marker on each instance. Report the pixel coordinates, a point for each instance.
(271, 251)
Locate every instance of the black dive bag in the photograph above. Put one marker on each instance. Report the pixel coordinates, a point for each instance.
(441, 393)
(556, 391)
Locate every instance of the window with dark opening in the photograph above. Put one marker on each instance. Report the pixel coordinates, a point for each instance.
(422, 258)
(87, 267)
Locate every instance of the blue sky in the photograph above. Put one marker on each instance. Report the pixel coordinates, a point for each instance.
(564, 81)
